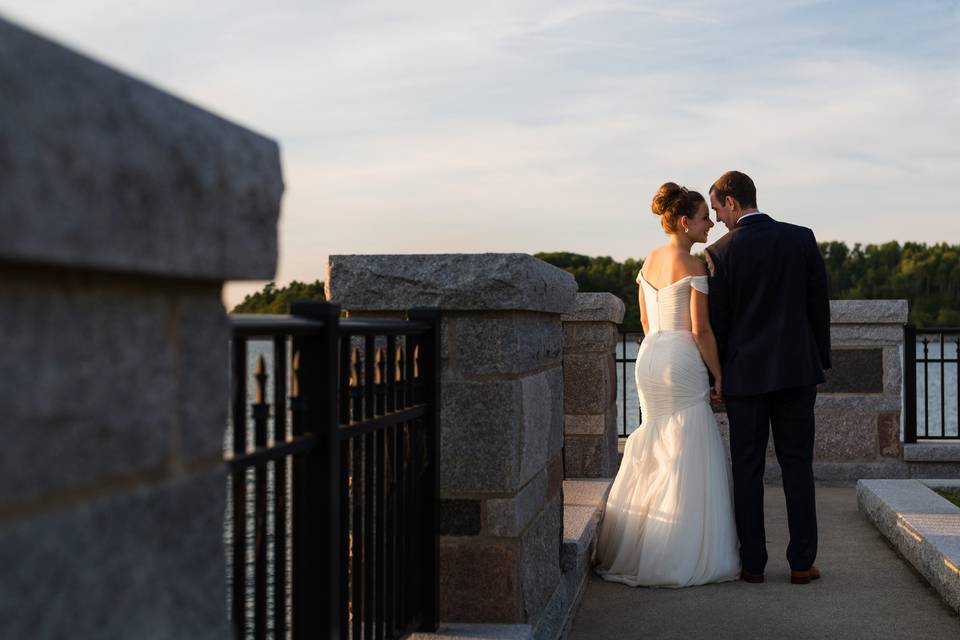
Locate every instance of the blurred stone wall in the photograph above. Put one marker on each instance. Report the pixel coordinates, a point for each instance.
(122, 211)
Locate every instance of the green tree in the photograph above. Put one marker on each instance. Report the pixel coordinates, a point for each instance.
(273, 300)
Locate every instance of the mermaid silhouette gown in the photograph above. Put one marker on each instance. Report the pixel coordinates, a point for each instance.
(668, 520)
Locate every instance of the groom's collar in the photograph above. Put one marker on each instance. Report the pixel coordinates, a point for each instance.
(751, 218)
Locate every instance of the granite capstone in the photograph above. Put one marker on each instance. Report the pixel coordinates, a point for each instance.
(104, 172)
(868, 311)
(451, 282)
(596, 307)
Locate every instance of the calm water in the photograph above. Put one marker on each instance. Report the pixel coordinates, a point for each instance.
(932, 409)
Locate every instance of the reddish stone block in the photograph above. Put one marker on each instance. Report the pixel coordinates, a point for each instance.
(888, 429)
(479, 582)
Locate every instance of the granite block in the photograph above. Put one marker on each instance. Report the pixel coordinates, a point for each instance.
(854, 371)
(479, 582)
(865, 335)
(922, 526)
(846, 437)
(507, 343)
(96, 386)
(481, 425)
(509, 517)
(932, 452)
(597, 307)
(869, 311)
(459, 517)
(478, 281)
(589, 382)
(149, 562)
(888, 430)
(102, 171)
(540, 565)
(590, 337)
(542, 435)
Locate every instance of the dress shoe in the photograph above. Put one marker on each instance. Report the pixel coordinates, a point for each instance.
(804, 577)
(753, 578)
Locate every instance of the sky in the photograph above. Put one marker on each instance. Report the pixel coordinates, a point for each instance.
(526, 126)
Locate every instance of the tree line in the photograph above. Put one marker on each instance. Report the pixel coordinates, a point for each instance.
(928, 276)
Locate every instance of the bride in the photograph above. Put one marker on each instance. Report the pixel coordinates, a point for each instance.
(669, 516)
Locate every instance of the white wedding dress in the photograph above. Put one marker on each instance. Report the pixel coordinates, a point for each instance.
(669, 515)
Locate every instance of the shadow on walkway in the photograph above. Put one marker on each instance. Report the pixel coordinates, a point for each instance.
(866, 591)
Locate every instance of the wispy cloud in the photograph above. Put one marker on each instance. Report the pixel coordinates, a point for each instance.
(536, 125)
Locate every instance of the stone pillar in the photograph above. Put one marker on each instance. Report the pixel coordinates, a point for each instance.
(501, 418)
(590, 386)
(123, 210)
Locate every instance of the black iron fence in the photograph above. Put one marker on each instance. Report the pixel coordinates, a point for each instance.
(931, 383)
(630, 413)
(332, 518)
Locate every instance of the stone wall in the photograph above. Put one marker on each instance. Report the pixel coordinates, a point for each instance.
(590, 386)
(123, 211)
(858, 422)
(501, 419)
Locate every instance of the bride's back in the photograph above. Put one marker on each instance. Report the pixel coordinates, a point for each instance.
(666, 265)
(666, 280)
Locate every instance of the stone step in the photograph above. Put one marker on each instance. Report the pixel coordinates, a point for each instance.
(922, 525)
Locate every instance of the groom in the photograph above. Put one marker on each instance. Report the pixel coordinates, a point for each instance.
(771, 314)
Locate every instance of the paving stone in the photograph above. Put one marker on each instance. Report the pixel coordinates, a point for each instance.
(113, 174)
(478, 281)
(149, 562)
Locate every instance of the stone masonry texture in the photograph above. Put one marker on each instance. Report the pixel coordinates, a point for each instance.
(481, 282)
(101, 171)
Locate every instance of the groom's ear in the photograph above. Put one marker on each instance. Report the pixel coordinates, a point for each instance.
(730, 201)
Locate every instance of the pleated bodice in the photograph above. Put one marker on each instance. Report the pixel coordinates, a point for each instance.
(668, 309)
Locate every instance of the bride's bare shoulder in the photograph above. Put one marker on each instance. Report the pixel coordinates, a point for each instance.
(693, 265)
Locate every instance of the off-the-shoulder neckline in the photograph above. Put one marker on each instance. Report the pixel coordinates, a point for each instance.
(675, 282)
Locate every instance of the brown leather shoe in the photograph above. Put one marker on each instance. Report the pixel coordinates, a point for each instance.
(804, 577)
(753, 578)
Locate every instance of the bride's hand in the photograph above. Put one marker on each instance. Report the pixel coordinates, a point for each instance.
(716, 395)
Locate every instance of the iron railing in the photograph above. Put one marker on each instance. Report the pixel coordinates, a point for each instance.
(333, 520)
(921, 349)
(628, 337)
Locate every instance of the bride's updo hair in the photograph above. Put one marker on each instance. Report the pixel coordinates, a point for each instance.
(672, 202)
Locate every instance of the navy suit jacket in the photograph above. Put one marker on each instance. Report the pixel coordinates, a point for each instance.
(769, 307)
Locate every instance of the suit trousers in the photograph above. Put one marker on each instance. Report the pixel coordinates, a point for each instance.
(789, 412)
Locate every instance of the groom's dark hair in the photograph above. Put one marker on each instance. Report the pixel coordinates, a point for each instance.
(737, 185)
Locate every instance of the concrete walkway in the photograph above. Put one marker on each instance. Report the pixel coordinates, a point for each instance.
(866, 592)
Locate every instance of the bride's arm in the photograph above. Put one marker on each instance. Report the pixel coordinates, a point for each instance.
(643, 312)
(703, 334)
